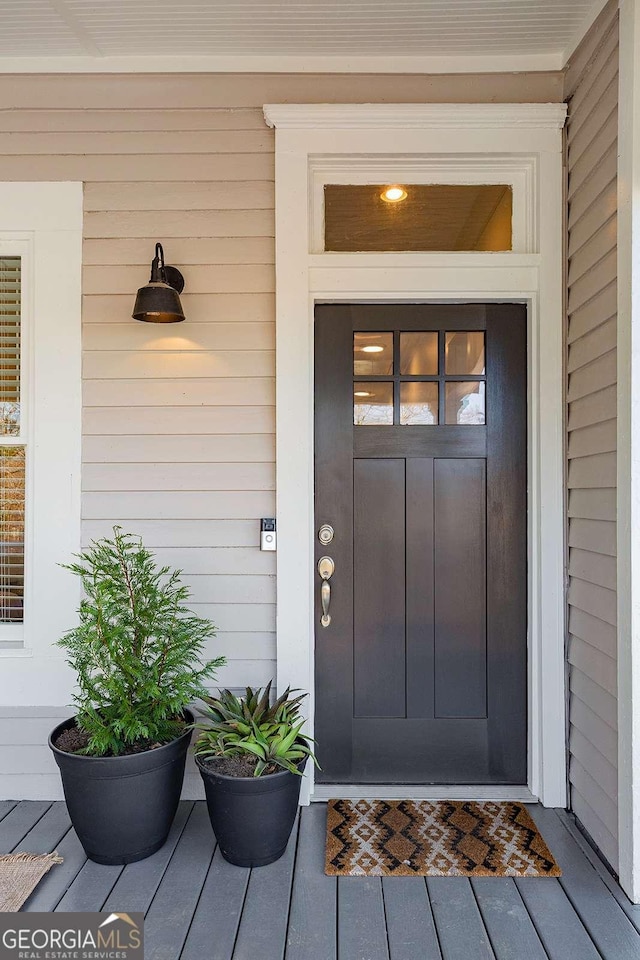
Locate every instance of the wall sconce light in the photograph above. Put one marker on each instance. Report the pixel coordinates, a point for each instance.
(158, 301)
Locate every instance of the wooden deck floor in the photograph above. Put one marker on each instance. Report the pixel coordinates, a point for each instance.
(198, 907)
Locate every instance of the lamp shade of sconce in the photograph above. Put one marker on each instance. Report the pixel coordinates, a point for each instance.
(159, 301)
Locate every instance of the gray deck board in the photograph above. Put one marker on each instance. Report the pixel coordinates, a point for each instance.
(609, 927)
(54, 884)
(19, 821)
(138, 882)
(511, 932)
(173, 906)
(92, 885)
(312, 930)
(6, 806)
(216, 920)
(45, 835)
(632, 910)
(558, 925)
(362, 933)
(411, 931)
(458, 921)
(199, 907)
(263, 926)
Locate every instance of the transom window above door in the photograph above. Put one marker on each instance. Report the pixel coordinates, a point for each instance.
(419, 378)
(420, 217)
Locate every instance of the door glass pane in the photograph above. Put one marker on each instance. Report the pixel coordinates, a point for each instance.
(12, 482)
(417, 216)
(372, 403)
(419, 353)
(464, 402)
(373, 354)
(9, 346)
(464, 352)
(418, 403)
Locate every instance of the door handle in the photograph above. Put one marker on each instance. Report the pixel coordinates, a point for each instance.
(326, 567)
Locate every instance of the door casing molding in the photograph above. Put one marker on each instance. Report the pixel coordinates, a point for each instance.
(519, 144)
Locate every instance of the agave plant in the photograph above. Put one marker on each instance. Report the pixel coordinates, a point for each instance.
(252, 725)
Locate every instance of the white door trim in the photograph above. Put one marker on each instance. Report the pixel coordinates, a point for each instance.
(526, 137)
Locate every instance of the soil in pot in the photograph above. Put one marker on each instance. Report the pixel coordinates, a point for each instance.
(75, 740)
(235, 766)
(121, 807)
(252, 817)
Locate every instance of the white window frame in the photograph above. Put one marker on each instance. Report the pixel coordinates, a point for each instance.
(42, 223)
(432, 140)
(452, 169)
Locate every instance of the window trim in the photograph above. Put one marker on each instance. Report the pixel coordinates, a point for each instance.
(451, 169)
(42, 223)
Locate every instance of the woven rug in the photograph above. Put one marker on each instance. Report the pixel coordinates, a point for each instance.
(407, 838)
(20, 874)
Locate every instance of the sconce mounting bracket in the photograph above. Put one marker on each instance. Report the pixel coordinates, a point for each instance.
(174, 278)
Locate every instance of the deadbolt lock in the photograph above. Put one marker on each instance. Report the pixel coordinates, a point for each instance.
(325, 533)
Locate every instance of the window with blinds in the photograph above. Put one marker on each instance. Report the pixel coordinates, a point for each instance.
(12, 448)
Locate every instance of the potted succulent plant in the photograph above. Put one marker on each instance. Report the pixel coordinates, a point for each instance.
(137, 655)
(251, 755)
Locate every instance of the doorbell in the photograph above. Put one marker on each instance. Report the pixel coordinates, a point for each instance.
(268, 533)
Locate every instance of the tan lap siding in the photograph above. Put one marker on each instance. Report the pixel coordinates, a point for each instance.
(179, 422)
(592, 92)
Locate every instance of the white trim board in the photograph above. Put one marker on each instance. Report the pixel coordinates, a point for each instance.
(309, 144)
(350, 791)
(43, 223)
(277, 64)
(461, 117)
(628, 444)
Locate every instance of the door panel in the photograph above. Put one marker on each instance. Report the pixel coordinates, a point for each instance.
(421, 674)
(460, 669)
(378, 588)
(420, 587)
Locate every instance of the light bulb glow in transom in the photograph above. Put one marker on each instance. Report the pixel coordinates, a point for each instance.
(393, 194)
(372, 349)
(362, 393)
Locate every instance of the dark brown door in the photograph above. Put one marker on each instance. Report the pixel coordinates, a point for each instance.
(420, 431)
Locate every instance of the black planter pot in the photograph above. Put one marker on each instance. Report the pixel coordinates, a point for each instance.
(122, 808)
(252, 817)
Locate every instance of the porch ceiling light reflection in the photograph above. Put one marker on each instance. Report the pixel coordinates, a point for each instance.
(362, 393)
(372, 349)
(159, 301)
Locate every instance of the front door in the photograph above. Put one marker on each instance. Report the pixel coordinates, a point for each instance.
(421, 472)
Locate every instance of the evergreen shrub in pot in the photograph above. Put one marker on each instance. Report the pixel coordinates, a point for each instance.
(137, 653)
(251, 755)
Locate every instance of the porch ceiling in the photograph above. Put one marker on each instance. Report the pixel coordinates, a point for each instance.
(349, 29)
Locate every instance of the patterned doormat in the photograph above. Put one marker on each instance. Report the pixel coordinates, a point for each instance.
(425, 838)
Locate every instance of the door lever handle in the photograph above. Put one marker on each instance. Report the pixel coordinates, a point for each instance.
(325, 598)
(326, 567)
